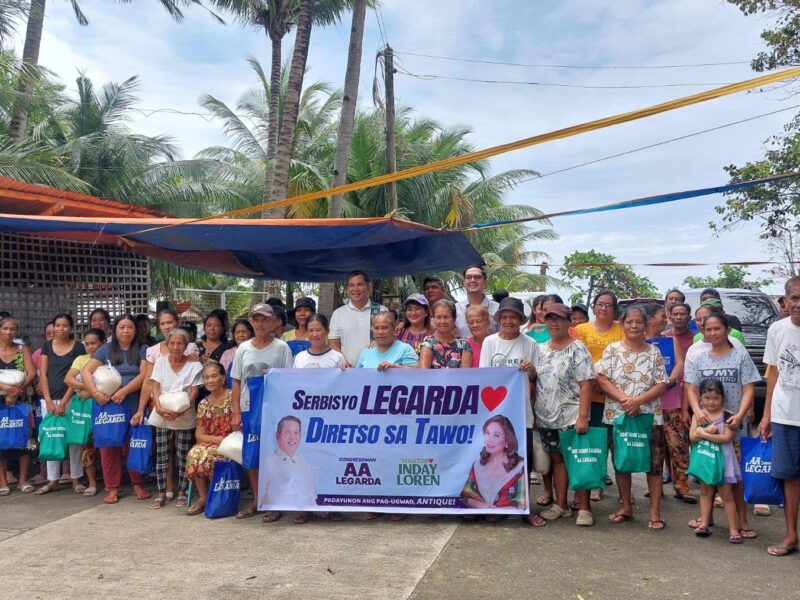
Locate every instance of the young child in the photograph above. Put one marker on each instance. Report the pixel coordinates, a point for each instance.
(712, 397)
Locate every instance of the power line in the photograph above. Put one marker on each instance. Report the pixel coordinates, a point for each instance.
(564, 66)
(380, 29)
(429, 76)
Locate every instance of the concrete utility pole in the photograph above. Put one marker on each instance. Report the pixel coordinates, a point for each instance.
(391, 155)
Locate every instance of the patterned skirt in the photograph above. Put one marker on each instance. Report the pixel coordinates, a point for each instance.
(200, 460)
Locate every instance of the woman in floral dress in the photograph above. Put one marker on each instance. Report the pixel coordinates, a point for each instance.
(444, 350)
(213, 424)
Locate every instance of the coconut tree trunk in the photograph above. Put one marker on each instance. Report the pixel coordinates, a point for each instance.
(273, 126)
(345, 134)
(30, 58)
(280, 178)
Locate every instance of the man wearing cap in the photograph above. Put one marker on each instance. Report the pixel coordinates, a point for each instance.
(433, 288)
(579, 314)
(254, 357)
(351, 323)
(511, 348)
(475, 286)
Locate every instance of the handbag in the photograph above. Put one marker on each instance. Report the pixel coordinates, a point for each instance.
(760, 487)
(707, 462)
(251, 423)
(632, 443)
(585, 457)
(52, 438)
(140, 449)
(79, 420)
(14, 426)
(224, 490)
(110, 424)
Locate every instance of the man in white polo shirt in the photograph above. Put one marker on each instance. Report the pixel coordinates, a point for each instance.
(475, 286)
(350, 324)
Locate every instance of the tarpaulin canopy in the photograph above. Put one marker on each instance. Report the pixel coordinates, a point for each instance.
(292, 249)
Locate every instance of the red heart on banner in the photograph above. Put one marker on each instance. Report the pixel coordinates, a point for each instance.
(430, 460)
(493, 397)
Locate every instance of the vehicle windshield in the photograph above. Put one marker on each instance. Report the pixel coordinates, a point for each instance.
(752, 310)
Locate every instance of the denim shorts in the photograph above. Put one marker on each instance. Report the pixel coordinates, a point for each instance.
(785, 451)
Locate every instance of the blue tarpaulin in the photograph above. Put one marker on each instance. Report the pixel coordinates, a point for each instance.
(292, 249)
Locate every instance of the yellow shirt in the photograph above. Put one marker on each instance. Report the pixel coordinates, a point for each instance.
(596, 342)
(81, 362)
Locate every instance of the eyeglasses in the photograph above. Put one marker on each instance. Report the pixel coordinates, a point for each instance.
(473, 277)
(604, 305)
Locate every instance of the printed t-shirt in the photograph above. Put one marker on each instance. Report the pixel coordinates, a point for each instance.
(330, 359)
(633, 373)
(58, 366)
(296, 345)
(190, 375)
(351, 326)
(596, 342)
(413, 339)
(733, 370)
(558, 377)
(497, 352)
(398, 353)
(249, 362)
(783, 351)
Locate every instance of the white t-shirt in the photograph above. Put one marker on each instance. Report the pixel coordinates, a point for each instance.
(783, 351)
(461, 316)
(330, 359)
(733, 370)
(249, 362)
(190, 375)
(497, 352)
(702, 346)
(351, 326)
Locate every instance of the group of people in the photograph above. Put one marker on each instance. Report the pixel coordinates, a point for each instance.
(643, 359)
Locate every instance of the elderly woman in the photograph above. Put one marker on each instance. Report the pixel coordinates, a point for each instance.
(213, 424)
(511, 348)
(478, 318)
(631, 374)
(14, 355)
(444, 350)
(564, 386)
(173, 373)
(126, 355)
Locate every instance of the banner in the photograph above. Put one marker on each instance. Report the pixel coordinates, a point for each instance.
(397, 441)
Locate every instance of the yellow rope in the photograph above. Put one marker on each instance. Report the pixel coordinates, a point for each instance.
(456, 161)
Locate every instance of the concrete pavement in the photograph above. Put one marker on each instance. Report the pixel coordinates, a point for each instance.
(66, 546)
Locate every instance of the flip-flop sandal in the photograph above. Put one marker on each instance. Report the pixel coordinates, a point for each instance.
(46, 489)
(596, 495)
(156, 503)
(301, 518)
(90, 491)
(735, 538)
(618, 517)
(181, 502)
(271, 517)
(695, 523)
(687, 498)
(651, 525)
(79, 489)
(27, 488)
(5, 491)
(398, 517)
(250, 511)
(702, 531)
(544, 500)
(748, 534)
(781, 550)
(196, 509)
(112, 498)
(534, 520)
(371, 516)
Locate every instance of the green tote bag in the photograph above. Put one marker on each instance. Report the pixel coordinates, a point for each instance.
(52, 438)
(707, 463)
(79, 421)
(632, 443)
(585, 457)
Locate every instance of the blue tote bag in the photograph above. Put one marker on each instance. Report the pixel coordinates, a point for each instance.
(110, 424)
(760, 487)
(251, 423)
(140, 449)
(224, 491)
(14, 426)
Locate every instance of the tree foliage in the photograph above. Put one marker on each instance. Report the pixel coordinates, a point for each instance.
(592, 271)
(728, 276)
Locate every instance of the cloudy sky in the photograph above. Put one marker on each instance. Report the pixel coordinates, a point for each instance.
(177, 63)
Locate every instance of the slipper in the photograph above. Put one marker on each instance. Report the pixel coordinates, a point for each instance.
(702, 531)
(156, 503)
(335, 516)
(544, 500)
(535, 480)
(781, 550)
(718, 502)
(79, 489)
(398, 517)
(619, 517)
(652, 525)
(762, 510)
(585, 519)
(687, 498)
(534, 520)
(250, 511)
(371, 516)
(27, 488)
(596, 495)
(196, 509)
(181, 502)
(302, 518)
(735, 538)
(90, 491)
(271, 517)
(111, 498)
(6, 491)
(46, 489)
(695, 523)
(748, 534)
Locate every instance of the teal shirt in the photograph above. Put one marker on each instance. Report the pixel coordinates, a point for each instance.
(398, 353)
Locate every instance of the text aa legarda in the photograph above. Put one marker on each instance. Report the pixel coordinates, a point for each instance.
(410, 472)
